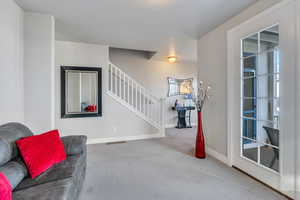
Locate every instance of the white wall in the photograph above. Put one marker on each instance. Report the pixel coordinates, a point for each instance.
(212, 61)
(11, 62)
(152, 74)
(117, 121)
(39, 72)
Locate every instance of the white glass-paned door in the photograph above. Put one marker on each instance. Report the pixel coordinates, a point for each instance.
(260, 101)
(261, 79)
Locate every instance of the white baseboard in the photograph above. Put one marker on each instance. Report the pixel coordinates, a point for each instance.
(174, 125)
(217, 156)
(124, 138)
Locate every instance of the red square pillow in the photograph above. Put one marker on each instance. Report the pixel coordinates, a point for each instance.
(40, 152)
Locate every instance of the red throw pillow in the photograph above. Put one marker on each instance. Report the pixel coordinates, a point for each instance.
(40, 152)
(5, 188)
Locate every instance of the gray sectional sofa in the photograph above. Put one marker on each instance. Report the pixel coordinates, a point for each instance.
(61, 182)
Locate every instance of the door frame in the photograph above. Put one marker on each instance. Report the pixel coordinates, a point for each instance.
(287, 182)
(297, 139)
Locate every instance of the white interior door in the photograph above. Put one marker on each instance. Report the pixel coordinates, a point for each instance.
(261, 96)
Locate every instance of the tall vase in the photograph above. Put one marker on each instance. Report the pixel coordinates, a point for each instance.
(200, 143)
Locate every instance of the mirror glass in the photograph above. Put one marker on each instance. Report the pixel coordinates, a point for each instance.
(81, 92)
(180, 86)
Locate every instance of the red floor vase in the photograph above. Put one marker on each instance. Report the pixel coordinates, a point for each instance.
(200, 143)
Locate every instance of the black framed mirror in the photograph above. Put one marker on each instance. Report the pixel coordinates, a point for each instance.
(81, 92)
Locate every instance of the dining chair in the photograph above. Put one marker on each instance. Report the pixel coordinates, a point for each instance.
(273, 135)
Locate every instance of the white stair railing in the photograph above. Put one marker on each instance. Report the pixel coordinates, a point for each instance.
(135, 97)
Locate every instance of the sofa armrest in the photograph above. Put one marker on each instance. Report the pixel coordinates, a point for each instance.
(74, 144)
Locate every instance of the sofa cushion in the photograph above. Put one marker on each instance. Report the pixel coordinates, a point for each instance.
(14, 171)
(65, 169)
(9, 133)
(5, 151)
(55, 190)
(74, 144)
(40, 152)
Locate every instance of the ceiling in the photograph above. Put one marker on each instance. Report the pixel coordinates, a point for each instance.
(165, 26)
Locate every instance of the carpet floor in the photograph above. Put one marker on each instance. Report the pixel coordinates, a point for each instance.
(165, 169)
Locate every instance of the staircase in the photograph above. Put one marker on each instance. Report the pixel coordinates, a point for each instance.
(135, 97)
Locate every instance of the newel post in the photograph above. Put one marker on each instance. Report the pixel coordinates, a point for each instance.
(163, 116)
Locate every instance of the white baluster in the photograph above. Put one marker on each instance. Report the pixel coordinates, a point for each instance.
(132, 92)
(109, 75)
(119, 91)
(151, 114)
(145, 101)
(154, 111)
(112, 79)
(148, 105)
(128, 90)
(140, 99)
(160, 111)
(154, 114)
(121, 86)
(136, 105)
(151, 108)
(115, 81)
(124, 86)
(157, 112)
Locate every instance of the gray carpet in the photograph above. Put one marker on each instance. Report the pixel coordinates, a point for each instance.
(164, 169)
